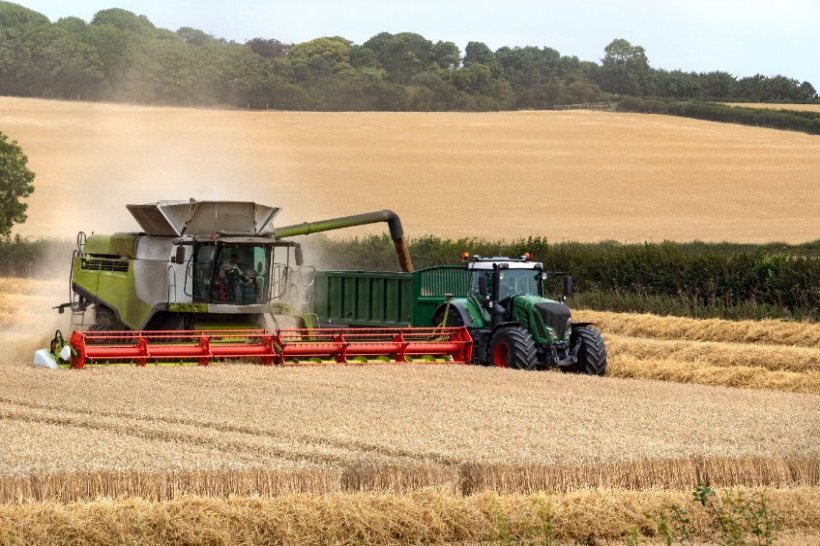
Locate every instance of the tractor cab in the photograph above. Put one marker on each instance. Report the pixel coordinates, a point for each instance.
(501, 278)
(497, 280)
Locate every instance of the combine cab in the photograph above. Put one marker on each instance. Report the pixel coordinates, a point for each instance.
(198, 285)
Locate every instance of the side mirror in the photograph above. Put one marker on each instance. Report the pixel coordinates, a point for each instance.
(482, 285)
(299, 255)
(179, 257)
(567, 286)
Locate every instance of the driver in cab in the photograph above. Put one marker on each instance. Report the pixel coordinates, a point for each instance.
(234, 280)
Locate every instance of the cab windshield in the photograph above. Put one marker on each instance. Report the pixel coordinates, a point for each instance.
(234, 274)
(513, 282)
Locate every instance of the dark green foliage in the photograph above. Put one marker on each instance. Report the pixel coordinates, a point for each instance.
(15, 184)
(692, 279)
(122, 56)
(726, 280)
(807, 122)
(737, 518)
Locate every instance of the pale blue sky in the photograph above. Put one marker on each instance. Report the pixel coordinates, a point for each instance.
(740, 36)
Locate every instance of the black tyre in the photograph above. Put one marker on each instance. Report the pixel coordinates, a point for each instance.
(513, 347)
(105, 320)
(588, 347)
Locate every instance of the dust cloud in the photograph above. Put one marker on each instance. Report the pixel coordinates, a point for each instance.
(27, 320)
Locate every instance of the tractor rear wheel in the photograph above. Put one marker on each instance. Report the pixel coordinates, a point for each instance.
(588, 347)
(513, 347)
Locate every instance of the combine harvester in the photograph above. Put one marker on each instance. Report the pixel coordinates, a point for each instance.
(198, 285)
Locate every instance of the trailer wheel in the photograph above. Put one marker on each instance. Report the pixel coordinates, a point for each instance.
(588, 347)
(513, 347)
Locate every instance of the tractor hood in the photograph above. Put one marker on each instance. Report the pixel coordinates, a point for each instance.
(178, 218)
(555, 314)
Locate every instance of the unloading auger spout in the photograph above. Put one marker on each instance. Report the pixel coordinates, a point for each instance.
(391, 218)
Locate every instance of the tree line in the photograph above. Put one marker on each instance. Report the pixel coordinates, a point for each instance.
(726, 280)
(121, 56)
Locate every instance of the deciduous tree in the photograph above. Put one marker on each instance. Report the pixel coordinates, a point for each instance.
(15, 184)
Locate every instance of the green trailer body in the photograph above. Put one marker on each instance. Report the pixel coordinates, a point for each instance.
(363, 298)
(385, 299)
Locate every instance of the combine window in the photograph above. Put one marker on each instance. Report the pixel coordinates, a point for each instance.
(232, 274)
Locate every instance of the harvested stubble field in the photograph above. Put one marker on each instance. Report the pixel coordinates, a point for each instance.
(246, 429)
(348, 449)
(584, 176)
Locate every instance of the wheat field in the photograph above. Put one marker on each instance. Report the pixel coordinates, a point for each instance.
(581, 176)
(244, 429)
(239, 454)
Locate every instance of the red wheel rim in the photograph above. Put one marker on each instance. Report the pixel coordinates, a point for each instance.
(501, 355)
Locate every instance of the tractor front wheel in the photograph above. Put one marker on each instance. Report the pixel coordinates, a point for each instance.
(588, 347)
(513, 347)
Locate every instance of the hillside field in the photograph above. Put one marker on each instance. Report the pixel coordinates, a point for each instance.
(584, 176)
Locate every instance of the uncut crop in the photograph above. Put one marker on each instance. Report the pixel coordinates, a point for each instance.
(608, 176)
(428, 517)
(777, 332)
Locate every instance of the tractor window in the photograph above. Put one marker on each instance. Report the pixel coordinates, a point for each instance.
(514, 282)
(518, 282)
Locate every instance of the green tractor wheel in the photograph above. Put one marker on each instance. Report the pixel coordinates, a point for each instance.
(513, 347)
(588, 347)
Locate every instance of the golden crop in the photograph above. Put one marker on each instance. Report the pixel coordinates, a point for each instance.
(581, 176)
(425, 517)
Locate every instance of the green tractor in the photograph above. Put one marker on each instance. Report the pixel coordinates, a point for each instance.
(513, 324)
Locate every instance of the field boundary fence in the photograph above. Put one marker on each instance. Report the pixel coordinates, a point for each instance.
(597, 106)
